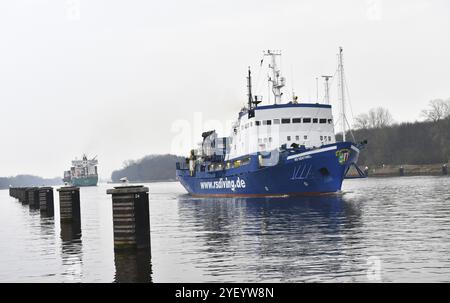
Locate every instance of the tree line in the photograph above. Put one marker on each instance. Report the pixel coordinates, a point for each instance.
(28, 181)
(148, 168)
(426, 142)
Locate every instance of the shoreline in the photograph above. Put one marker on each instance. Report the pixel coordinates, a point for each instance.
(148, 181)
(404, 170)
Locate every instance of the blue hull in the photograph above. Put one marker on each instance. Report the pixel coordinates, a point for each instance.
(296, 172)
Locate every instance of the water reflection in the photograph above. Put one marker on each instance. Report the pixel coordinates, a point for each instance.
(133, 266)
(47, 225)
(71, 250)
(284, 236)
(34, 208)
(47, 212)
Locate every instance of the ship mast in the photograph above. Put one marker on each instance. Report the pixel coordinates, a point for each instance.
(341, 92)
(249, 87)
(277, 80)
(327, 89)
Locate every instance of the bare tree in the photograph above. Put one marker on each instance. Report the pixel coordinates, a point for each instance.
(361, 121)
(381, 117)
(438, 110)
(375, 118)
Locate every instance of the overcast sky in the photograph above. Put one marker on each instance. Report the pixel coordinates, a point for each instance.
(111, 78)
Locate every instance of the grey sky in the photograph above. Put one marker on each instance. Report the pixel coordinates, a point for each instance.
(112, 80)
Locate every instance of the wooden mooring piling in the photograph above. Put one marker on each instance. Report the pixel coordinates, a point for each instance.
(46, 203)
(69, 204)
(131, 217)
(20, 193)
(33, 197)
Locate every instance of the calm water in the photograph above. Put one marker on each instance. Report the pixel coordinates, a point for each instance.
(394, 229)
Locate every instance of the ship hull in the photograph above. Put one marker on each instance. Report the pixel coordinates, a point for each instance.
(85, 181)
(307, 172)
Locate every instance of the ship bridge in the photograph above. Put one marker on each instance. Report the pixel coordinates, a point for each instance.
(265, 128)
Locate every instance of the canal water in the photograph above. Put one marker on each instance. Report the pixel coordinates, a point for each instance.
(379, 229)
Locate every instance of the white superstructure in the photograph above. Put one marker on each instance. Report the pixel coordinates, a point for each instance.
(84, 167)
(280, 125)
(272, 126)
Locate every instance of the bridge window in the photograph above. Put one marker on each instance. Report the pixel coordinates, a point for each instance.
(257, 123)
(305, 137)
(321, 138)
(289, 138)
(276, 121)
(296, 120)
(306, 120)
(267, 122)
(297, 138)
(323, 121)
(285, 120)
(315, 120)
(329, 138)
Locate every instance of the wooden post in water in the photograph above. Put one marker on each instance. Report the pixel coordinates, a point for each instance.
(23, 196)
(14, 192)
(445, 169)
(69, 204)
(401, 171)
(33, 197)
(46, 204)
(131, 217)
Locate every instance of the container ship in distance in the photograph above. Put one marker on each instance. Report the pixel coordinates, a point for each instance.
(82, 172)
(280, 149)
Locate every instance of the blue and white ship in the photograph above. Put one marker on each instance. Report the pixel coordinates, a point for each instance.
(281, 149)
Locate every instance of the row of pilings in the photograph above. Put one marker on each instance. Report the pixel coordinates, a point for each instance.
(130, 216)
(36, 197)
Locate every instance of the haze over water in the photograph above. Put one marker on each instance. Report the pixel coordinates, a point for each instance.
(402, 223)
